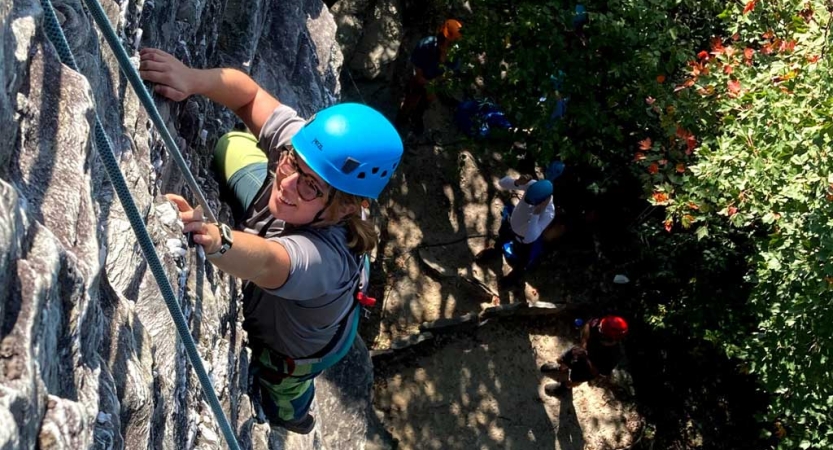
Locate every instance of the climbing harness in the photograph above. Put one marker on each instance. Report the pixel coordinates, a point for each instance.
(105, 151)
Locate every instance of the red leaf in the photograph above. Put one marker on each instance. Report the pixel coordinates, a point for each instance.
(645, 144)
(734, 88)
(717, 45)
(768, 35)
(682, 133)
(653, 168)
(680, 168)
(686, 84)
(813, 59)
(749, 6)
(732, 211)
(703, 55)
(668, 224)
(690, 143)
(748, 53)
(639, 156)
(660, 198)
(728, 69)
(807, 13)
(660, 79)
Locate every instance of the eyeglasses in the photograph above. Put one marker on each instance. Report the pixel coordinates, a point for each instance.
(308, 189)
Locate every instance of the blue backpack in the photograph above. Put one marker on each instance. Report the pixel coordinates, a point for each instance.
(477, 118)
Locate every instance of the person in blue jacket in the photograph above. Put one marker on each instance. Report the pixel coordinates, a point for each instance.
(300, 183)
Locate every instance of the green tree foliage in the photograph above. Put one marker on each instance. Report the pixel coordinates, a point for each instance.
(535, 53)
(757, 105)
(723, 111)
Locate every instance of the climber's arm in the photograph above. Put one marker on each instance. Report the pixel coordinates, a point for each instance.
(228, 87)
(263, 262)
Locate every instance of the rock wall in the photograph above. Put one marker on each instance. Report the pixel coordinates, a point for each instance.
(89, 356)
(370, 33)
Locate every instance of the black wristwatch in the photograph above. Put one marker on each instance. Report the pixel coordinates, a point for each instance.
(227, 240)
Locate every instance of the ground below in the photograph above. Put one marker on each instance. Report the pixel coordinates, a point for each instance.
(480, 389)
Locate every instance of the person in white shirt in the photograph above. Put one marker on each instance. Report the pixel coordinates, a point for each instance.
(525, 225)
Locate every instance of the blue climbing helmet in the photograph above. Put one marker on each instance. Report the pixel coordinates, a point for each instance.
(352, 147)
(538, 192)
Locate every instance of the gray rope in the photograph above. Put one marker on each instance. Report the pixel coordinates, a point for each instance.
(105, 151)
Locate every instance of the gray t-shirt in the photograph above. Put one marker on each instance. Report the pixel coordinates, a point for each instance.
(302, 316)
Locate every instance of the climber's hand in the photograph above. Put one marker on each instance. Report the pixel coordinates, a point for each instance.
(205, 234)
(173, 79)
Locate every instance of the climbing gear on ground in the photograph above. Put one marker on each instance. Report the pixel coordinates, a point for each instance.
(337, 145)
(450, 30)
(613, 327)
(478, 118)
(108, 158)
(538, 192)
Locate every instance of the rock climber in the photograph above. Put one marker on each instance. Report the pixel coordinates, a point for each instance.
(599, 353)
(430, 62)
(522, 226)
(300, 185)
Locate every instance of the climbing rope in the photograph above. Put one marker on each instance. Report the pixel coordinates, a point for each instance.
(105, 151)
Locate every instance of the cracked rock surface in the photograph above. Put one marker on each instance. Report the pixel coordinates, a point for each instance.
(89, 355)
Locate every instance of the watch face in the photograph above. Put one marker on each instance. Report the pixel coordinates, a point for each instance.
(226, 238)
(225, 232)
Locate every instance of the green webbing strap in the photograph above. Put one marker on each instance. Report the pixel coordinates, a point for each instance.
(105, 151)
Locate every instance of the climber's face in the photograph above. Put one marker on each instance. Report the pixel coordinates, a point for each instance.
(298, 193)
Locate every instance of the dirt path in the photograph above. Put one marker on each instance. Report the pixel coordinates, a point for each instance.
(485, 391)
(482, 390)
(445, 194)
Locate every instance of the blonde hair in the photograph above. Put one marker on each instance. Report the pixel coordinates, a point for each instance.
(361, 236)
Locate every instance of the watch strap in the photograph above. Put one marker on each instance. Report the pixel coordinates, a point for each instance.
(226, 242)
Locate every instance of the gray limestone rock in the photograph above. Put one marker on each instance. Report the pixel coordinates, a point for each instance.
(350, 16)
(380, 42)
(89, 356)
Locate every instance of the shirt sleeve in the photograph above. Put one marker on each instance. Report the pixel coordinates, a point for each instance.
(538, 223)
(279, 128)
(507, 183)
(313, 270)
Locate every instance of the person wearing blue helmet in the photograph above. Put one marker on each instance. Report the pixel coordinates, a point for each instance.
(524, 226)
(297, 187)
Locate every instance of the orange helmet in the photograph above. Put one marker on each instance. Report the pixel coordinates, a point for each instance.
(451, 30)
(613, 327)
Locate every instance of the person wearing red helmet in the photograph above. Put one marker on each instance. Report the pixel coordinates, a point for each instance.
(430, 62)
(599, 353)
